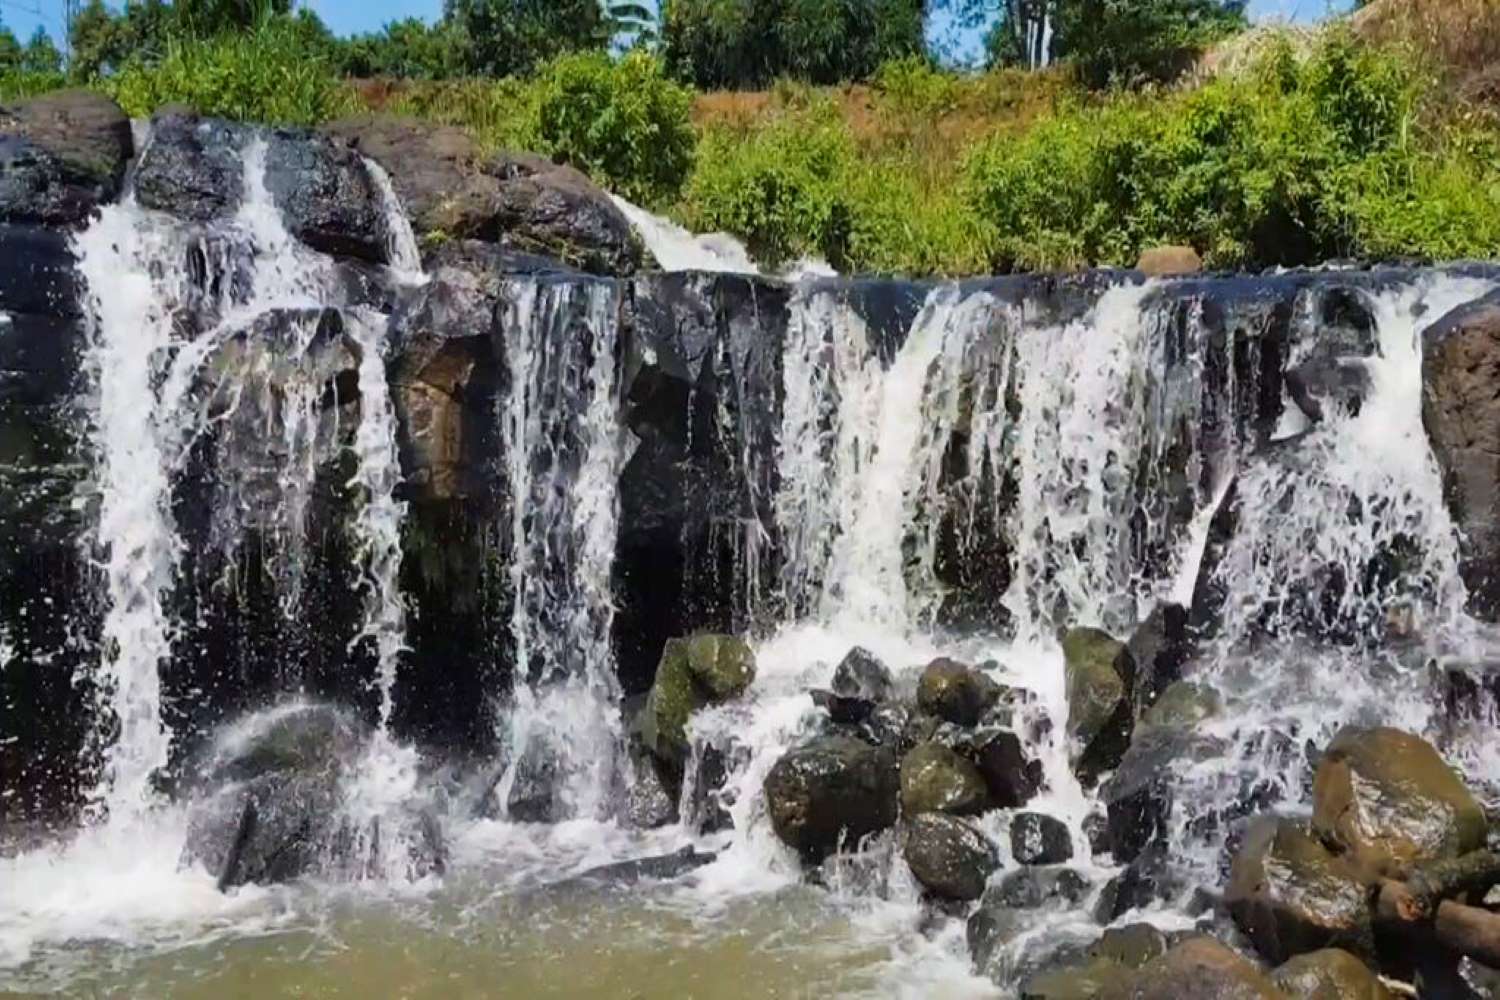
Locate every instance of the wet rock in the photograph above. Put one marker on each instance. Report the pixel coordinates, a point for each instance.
(1289, 895)
(1183, 706)
(1012, 776)
(1131, 946)
(1036, 839)
(1010, 906)
(1200, 968)
(1081, 980)
(693, 673)
(1151, 878)
(1329, 974)
(1323, 384)
(831, 791)
(191, 168)
(956, 692)
(327, 198)
(556, 211)
(533, 796)
(886, 725)
(1099, 673)
(710, 799)
(1138, 797)
(1460, 366)
(1388, 799)
(860, 683)
(950, 857)
(649, 803)
(1164, 261)
(1160, 648)
(657, 869)
(62, 155)
(936, 779)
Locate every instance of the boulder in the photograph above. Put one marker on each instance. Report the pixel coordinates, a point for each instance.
(1079, 980)
(1131, 946)
(1160, 648)
(860, 683)
(558, 212)
(1013, 777)
(950, 857)
(192, 167)
(1099, 672)
(1009, 907)
(1164, 261)
(956, 692)
(694, 672)
(1036, 839)
(831, 791)
(936, 779)
(1139, 795)
(62, 155)
(1183, 706)
(328, 200)
(1388, 799)
(649, 803)
(1200, 968)
(709, 800)
(1460, 367)
(1290, 895)
(1329, 974)
(1151, 878)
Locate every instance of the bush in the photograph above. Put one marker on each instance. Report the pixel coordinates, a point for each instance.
(514, 37)
(1134, 41)
(622, 122)
(273, 73)
(409, 49)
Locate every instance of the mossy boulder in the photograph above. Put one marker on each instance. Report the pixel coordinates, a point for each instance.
(693, 672)
(1183, 704)
(1098, 671)
(950, 857)
(1388, 799)
(1329, 974)
(937, 779)
(831, 791)
(1081, 980)
(956, 692)
(1199, 968)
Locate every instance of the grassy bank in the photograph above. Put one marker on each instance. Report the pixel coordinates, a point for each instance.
(1309, 149)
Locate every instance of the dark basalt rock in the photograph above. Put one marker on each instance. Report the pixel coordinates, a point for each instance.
(1013, 777)
(192, 166)
(860, 683)
(830, 791)
(950, 857)
(1150, 879)
(545, 208)
(956, 692)
(1100, 673)
(1139, 795)
(326, 196)
(62, 155)
(1160, 648)
(1036, 839)
(1010, 906)
(936, 779)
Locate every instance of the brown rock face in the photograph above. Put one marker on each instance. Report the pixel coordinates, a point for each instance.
(1460, 409)
(1329, 974)
(1387, 799)
(1200, 968)
(1290, 895)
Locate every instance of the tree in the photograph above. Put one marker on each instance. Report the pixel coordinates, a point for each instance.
(10, 51)
(513, 37)
(1022, 34)
(210, 17)
(409, 49)
(1134, 41)
(100, 42)
(40, 54)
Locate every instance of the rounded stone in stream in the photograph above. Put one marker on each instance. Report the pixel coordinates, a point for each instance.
(936, 779)
(1008, 908)
(1388, 799)
(62, 155)
(1289, 895)
(1099, 673)
(1036, 839)
(956, 692)
(860, 683)
(1329, 974)
(1013, 777)
(951, 858)
(1139, 795)
(1199, 968)
(692, 673)
(830, 792)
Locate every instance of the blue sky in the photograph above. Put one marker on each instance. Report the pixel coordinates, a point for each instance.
(347, 16)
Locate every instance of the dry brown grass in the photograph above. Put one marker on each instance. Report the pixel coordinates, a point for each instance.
(1459, 39)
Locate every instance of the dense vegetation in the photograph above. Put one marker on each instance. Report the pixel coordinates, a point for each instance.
(1299, 152)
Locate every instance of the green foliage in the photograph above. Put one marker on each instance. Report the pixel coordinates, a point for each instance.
(1132, 41)
(102, 42)
(498, 113)
(277, 72)
(514, 37)
(912, 84)
(205, 18)
(620, 121)
(745, 43)
(409, 49)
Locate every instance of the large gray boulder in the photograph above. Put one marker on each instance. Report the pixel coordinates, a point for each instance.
(62, 155)
(829, 792)
(949, 856)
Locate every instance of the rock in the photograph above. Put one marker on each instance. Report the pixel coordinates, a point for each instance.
(710, 799)
(327, 198)
(1164, 261)
(1151, 878)
(936, 779)
(1322, 383)
(1289, 895)
(191, 168)
(702, 670)
(62, 155)
(860, 683)
(533, 796)
(657, 869)
(1138, 797)
(557, 211)
(649, 803)
(956, 692)
(1388, 799)
(1200, 968)
(1099, 673)
(1036, 839)
(1131, 946)
(1013, 777)
(437, 171)
(830, 791)
(1460, 367)
(1159, 647)
(1183, 706)
(948, 856)
(1009, 907)
(1080, 980)
(1329, 974)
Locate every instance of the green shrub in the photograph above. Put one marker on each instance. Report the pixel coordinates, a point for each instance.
(620, 121)
(271, 73)
(497, 113)
(16, 84)
(913, 85)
